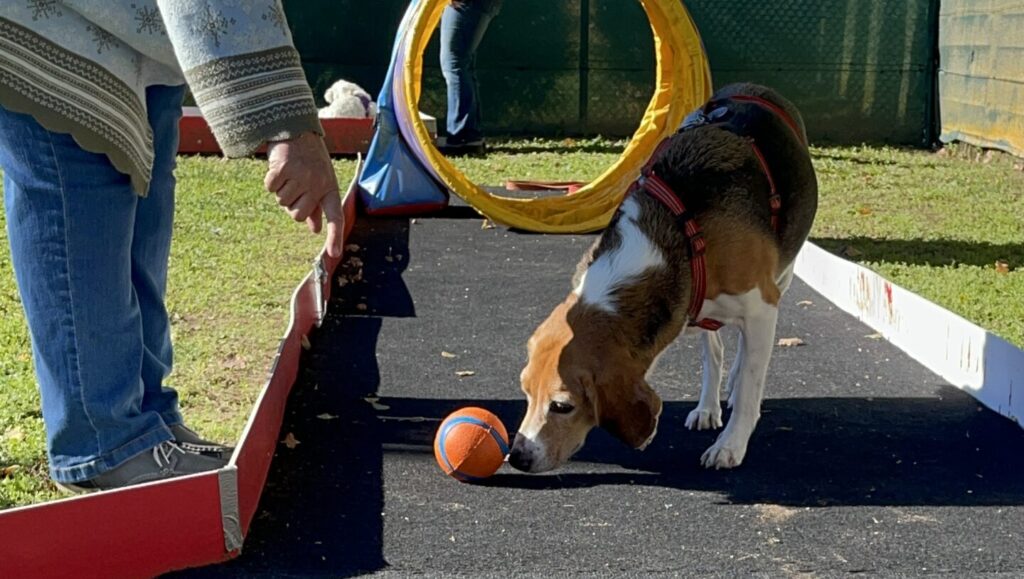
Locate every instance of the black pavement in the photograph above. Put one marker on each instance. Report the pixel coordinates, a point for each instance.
(863, 462)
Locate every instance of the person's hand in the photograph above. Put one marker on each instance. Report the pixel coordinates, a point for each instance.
(299, 172)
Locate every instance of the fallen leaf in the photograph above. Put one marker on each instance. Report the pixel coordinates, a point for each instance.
(805, 303)
(305, 343)
(327, 416)
(1002, 266)
(487, 224)
(373, 401)
(788, 342)
(875, 336)
(1019, 166)
(290, 441)
(464, 373)
(864, 210)
(354, 262)
(447, 354)
(388, 258)
(342, 281)
(361, 307)
(352, 247)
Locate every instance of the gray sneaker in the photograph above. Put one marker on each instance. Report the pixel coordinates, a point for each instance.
(165, 460)
(191, 442)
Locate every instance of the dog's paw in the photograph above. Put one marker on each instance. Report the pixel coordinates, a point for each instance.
(704, 419)
(723, 454)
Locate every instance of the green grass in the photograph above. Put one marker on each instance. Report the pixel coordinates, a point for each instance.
(934, 224)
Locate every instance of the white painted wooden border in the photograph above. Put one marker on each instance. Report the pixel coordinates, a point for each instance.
(967, 356)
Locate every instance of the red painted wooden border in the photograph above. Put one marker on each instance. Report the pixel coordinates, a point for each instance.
(135, 532)
(342, 136)
(261, 435)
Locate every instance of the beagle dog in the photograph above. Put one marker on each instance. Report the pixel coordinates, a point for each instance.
(706, 236)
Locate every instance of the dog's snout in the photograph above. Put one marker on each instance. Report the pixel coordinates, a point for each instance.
(520, 460)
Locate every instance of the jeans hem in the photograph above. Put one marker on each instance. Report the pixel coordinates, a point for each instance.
(172, 418)
(111, 460)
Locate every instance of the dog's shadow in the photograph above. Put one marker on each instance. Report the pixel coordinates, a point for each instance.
(806, 451)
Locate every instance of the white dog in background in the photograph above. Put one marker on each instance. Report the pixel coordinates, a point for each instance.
(347, 100)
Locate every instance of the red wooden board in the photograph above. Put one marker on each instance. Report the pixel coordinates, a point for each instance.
(136, 532)
(342, 136)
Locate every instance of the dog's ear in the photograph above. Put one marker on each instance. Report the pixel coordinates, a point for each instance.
(630, 412)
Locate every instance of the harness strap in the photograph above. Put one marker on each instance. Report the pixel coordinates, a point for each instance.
(774, 199)
(698, 246)
(691, 229)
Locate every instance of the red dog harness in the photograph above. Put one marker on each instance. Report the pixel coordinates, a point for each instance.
(660, 190)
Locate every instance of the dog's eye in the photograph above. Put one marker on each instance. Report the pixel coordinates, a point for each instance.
(560, 407)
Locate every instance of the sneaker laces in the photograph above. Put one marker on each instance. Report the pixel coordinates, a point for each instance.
(163, 452)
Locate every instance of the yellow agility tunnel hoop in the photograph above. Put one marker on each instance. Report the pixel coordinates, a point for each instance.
(682, 83)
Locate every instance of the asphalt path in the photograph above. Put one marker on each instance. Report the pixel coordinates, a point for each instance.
(863, 462)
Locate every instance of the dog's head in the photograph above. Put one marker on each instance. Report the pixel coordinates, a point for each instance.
(574, 380)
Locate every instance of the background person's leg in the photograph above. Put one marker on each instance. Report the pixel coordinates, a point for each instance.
(462, 28)
(71, 221)
(151, 246)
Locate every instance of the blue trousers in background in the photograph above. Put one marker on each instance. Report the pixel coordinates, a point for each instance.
(462, 28)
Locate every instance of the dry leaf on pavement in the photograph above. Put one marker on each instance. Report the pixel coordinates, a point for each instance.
(788, 342)
(464, 373)
(290, 441)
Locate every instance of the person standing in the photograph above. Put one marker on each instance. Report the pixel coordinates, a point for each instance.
(90, 98)
(463, 25)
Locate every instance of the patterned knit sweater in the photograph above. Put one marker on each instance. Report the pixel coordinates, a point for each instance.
(82, 67)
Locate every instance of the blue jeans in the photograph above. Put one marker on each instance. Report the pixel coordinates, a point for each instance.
(90, 257)
(462, 28)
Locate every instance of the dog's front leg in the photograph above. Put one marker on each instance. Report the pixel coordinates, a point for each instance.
(758, 330)
(734, 372)
(708, 413)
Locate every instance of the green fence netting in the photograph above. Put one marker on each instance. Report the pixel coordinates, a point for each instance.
(860, 71)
